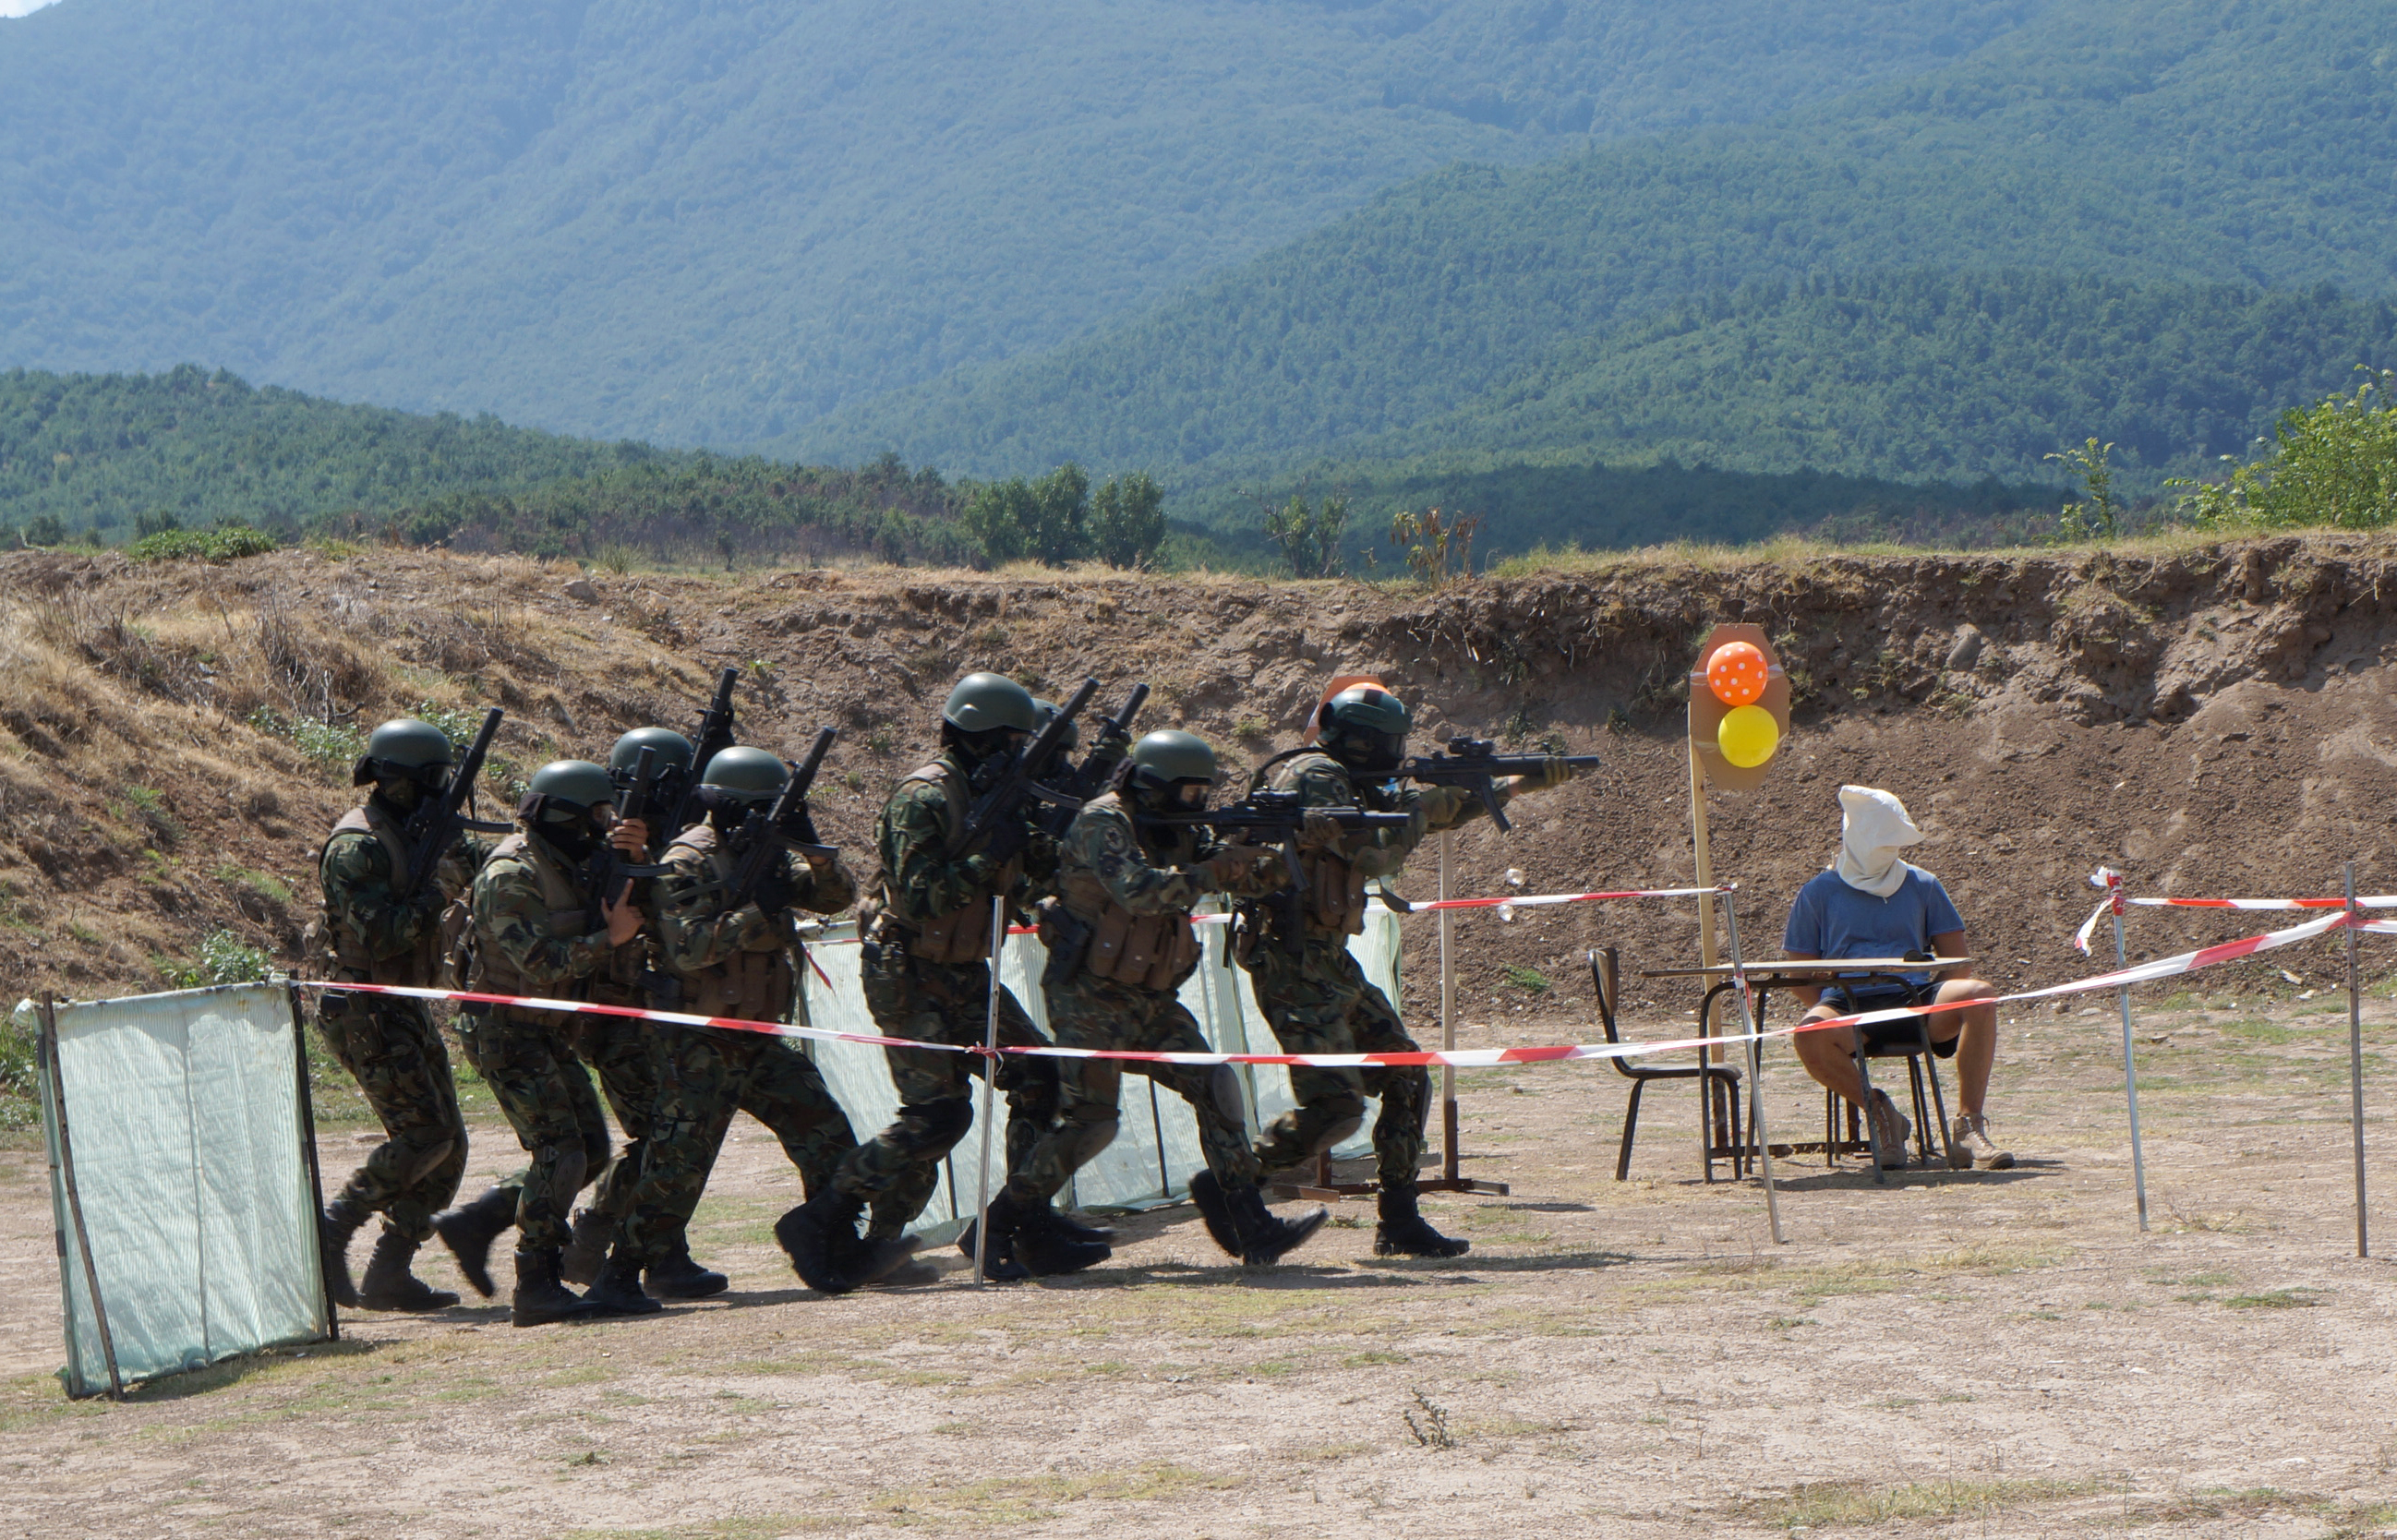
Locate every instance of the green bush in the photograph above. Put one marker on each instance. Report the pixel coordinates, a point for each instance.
(331, 748)
(19, 1093)
(1128, 520)
(226, 543)
(224, 958)
(1047, 520)
(2335, 465)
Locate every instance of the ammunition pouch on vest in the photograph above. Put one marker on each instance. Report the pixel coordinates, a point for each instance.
(961, 935)
(332, 953)
(755, 986)
(567, 916)
(1152, 952)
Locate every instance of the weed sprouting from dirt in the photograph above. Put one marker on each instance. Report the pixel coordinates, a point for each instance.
(1530, 980)
(224, 958)
(1432, 1430)
(2276, 1299)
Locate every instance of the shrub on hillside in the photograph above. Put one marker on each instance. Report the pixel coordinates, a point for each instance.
(2335, 465)
(228, 543)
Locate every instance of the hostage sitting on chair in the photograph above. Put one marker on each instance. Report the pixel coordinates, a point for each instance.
(1871, 904)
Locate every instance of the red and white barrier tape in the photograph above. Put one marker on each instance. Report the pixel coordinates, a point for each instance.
(2116, 901)
(1471, 1058)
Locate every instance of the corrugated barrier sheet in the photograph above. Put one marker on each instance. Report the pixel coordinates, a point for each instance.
(1157, 1146)
(184, 1114)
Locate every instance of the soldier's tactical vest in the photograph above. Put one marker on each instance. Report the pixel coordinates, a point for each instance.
(339, 955)
(755, 986)
(962, 934)
(488, 972)
(1154, 952)
(1335, 891)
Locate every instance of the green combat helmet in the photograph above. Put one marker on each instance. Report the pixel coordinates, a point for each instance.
(1170, 765)
(1365, 728)
(404, 749)
(673, 750)
(576, 784)
(983, 701)
(1042, 711)
(746, 775)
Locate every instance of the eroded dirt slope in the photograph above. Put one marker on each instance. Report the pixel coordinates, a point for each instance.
(2214, 720)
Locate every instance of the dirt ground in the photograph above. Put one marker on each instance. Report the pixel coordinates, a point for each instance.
(1963, 1354)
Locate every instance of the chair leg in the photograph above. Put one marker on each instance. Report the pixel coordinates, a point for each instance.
(1921, 1107)
(1939, 1109)
(1745, 1163)
(1630, 1126)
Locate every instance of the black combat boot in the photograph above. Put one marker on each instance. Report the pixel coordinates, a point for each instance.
(1044, 1248)
(390, 1286)
(539, 1297)
(1207, 1196)
(334, 1227)
(469, 1231)
(862, 1260)
(1266, 1239)
(1074, 1229)
(676, 1276)
(1403, 1232)
(1000, 1263)
(587, 1251)
(617, 1290)
(809, 1234)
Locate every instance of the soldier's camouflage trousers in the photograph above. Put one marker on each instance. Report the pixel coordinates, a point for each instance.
(392, 1049)
(897, 1169)
(1319, 1002)
(709, 1074)
(1092, 1012)
(630, 1059)
(526, 1058)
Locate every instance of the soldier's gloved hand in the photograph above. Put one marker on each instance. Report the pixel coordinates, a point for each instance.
(1270, 875)
(1006, 839)
(1228, 868)
(624, 921)
(1319, 830)
(775, 890)
(1553, 771)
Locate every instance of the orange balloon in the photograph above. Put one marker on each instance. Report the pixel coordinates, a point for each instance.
(1736, 673)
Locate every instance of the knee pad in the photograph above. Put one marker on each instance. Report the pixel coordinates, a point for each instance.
(1224, 1088)
(430, 1161)
(1086, 1132)
(571, 1168)
(945, 1122)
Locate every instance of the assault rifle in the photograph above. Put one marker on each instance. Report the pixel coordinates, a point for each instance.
(609, 875)
(1277, 818)
(712, 736)
(1475, 763)
(1016, 777)
(757, 844)
(435, 827)
(1078, 784)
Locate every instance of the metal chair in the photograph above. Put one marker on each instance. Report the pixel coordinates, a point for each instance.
(1922, 1068)
(1719, 1093)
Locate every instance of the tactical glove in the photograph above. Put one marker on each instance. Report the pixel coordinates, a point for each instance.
(1318, 831)
(1553, 771)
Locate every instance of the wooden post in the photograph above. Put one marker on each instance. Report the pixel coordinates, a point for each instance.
(49, 1046)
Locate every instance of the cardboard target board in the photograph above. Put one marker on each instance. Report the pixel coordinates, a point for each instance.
(1707, 710)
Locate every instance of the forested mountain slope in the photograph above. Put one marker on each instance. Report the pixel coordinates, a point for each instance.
(712, 221)
(2197, 141)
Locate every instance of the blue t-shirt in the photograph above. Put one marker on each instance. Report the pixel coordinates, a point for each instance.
(1831, 919)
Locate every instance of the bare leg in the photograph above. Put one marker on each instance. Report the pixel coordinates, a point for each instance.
(1978, 1049)
(1829, 1056)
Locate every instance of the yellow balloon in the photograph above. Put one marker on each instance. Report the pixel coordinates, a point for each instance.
(1749, 736)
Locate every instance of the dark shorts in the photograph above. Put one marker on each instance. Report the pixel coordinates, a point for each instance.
(1882, 995)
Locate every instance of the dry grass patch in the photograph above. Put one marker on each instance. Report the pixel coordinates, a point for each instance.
(1838, 1505)
(1808, 1284)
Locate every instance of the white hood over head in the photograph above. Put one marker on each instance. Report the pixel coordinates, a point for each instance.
(1873, 829)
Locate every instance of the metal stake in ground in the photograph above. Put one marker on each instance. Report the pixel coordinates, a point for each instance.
(2355, 1060)
(1755, 1069)
(2129, 1067)
(989, 1086)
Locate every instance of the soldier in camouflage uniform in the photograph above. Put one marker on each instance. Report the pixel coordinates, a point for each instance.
(740, 960)
(1316, 997)
(530, 934)
(388, 1044)
(926, 932)
(1121, 947)
(633, 1058)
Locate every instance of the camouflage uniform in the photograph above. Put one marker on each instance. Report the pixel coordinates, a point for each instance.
(529, 917)
(1135, 897)
(1318, 999)
(926, 938)
(389, 1043)
(630, 1058)
(732, 963)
